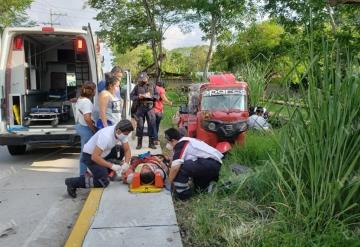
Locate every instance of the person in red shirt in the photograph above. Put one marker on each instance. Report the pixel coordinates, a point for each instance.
(159, 107)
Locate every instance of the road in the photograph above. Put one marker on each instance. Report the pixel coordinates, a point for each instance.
(35, 209)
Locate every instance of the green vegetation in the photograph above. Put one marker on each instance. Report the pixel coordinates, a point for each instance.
(13, 12)
(304, 185)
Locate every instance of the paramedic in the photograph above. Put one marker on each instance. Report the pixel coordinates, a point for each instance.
(144, 94)
(85, 127)
(95, 153)
(193, 159)
(159, 108)
(110, 105)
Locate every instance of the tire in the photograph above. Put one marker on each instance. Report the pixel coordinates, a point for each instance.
(16, 149)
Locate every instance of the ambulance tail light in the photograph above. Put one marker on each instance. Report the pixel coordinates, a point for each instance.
(18, 43)
(80, 45)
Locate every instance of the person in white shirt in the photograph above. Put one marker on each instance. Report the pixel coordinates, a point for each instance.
(257, 121)
(193, 159)
(95, 155)
(85, 127)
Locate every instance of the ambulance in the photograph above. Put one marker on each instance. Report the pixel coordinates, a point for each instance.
(41, 72)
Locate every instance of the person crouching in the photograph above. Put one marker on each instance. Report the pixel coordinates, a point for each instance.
(95, 153)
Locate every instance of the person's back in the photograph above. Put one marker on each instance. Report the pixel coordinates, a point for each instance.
(258, 122)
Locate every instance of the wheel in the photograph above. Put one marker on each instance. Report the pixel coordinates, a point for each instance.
(16, 149)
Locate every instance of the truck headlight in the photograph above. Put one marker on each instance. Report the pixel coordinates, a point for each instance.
(212, 126)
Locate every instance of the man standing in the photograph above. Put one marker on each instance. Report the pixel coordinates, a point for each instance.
(193, 159)
(95, 153)
(144, 94)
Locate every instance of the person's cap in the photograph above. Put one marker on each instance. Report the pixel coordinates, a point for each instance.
(125, 125)
(143, 76)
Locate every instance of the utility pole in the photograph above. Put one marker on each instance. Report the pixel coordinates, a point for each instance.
(52, 23)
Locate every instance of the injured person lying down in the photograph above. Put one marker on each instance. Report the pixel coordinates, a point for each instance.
(148, 169)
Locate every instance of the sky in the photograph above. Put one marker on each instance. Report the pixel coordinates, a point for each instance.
(72, 14)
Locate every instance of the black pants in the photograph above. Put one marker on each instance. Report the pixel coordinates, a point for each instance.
(202, 171)
(100, 176)
(144, 113)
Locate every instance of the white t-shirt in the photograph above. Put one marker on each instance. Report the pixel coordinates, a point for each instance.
(83, 106)
(104, 139)
(258, 122)
(189, 148)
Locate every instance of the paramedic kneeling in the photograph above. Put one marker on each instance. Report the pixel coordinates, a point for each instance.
(193, 159)
(94, 156)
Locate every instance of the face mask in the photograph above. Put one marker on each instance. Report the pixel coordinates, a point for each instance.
(169, 146)
(121, 137)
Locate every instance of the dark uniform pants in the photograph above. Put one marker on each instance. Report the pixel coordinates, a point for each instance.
(100, 174)
(147, 113)
(202, 171)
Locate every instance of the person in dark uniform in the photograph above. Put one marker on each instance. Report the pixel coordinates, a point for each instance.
(144, 94)
(193, 159)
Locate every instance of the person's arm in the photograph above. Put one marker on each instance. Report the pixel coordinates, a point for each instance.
(89, 122)
(103, 101)
(134, 94)
(96, 157)
(174, 170)
(165, 99)
(127, 152)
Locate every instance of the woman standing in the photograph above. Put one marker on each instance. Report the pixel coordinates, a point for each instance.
(84, 124)
(159, 107)
(110, 105)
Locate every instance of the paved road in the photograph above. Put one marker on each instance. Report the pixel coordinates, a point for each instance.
(34, 207)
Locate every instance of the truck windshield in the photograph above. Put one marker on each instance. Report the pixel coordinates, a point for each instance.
(224, 100)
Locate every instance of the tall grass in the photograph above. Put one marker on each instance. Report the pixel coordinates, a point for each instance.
(317, 174)
(257, 77)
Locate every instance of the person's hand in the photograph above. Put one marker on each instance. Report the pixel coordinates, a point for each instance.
(117, 169)
(141, 96)
(125, 166)
(147, 95)
(170, 103)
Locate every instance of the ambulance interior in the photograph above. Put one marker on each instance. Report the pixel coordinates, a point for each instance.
(52, 69)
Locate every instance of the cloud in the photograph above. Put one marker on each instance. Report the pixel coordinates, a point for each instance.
(174, 38)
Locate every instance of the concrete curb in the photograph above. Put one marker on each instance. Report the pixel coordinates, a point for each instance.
(84, 221)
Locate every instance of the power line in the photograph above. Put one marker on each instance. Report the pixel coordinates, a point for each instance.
(52, 23)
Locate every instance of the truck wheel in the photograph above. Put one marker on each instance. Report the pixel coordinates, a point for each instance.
(16, 149)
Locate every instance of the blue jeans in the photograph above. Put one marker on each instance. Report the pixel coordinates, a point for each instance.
(158, 117)
(85, 134)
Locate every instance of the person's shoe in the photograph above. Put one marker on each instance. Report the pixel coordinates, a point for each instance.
(151, 144)
(139, 144)
(70, 190)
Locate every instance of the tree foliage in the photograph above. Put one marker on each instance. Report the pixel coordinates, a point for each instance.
(216, 18)
(127, 24)
(11, 10)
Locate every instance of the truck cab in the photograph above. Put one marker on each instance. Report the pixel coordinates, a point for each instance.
(41, 70)
(217, 111)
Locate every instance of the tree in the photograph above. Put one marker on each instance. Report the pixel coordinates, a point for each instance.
(127, 24)
(11, 10)
(216, 18)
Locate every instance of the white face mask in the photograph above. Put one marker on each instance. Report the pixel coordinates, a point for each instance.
(169, 146)
(121, 137)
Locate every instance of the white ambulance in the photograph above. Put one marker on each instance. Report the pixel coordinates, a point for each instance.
(41, 69)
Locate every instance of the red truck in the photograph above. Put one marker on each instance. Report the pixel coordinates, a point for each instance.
(217, 111)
